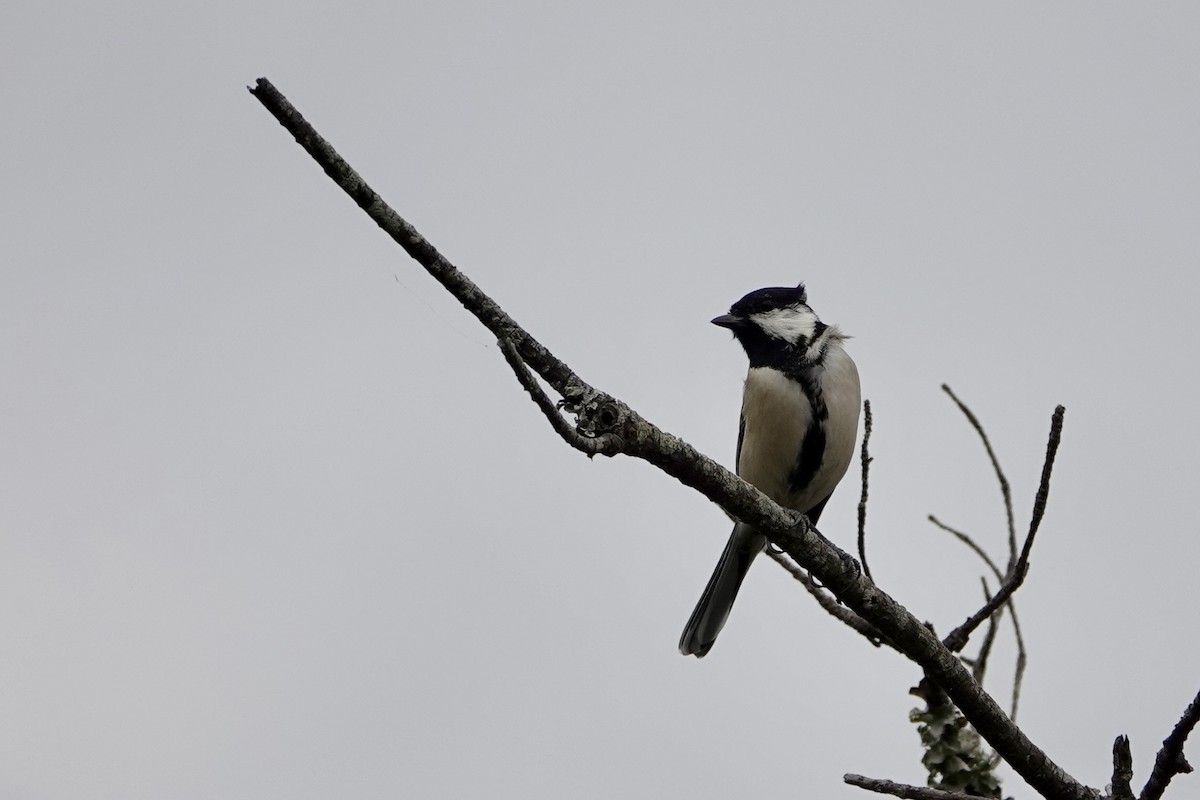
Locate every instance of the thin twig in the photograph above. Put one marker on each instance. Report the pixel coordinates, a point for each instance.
(1043, 493)
(957, 639)
(826, 600)
(862, 502)
(1170, 761)
(541, 360)
(1122, 772)
(969, 542)
(1022, 655)
(586, 445)
(979, 668)
(1022, 659)
(1004, 488)
(904, 790)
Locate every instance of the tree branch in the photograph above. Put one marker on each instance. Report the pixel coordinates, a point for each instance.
(957, 639)
(1122, 772)
(604, 445)
(966, 539)
(1170, 761)
(979, 666)
(1022, 659)
(826, 600)
(1022, 656)
(904, 790)
(543, 362)
(862, 502)
(599, 414)
(1005, 491)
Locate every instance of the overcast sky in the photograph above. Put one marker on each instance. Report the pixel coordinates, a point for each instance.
(277, 522)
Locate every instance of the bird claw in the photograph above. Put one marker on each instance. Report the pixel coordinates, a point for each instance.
(850, 562)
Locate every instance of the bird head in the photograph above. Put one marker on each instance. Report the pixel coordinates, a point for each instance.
(774, 325)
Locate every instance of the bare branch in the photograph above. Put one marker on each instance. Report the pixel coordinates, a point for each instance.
(1043, 493)
(979, 667)
(1170, 761)
(543, 362)
(957, 639)
(599, 414)
(1004, 488)
(826, 600)
(862, 502)
(904, 790)
(969, 542)
(604, 444)
(1022, 655)
(1122, 772)
(1022, 660)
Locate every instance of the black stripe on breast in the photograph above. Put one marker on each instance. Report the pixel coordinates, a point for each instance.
(812, 450)
(737, 456)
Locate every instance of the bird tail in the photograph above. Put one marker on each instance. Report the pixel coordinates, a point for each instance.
(713, 609)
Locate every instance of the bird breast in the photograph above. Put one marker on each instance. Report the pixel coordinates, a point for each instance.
(776, 416)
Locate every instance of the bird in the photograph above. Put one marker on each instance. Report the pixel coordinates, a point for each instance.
(796, 436)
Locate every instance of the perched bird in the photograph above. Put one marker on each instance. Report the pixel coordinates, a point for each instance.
(796, 436)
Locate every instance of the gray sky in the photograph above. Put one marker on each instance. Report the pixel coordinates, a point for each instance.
(275, 520)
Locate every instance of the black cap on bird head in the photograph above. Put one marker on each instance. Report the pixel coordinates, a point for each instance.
(761, 300)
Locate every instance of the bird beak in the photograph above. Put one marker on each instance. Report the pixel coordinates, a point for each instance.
(728, 321)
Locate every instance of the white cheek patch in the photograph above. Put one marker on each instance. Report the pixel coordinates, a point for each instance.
(792, 324)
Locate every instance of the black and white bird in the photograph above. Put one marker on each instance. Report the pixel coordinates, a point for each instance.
(796, 436)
